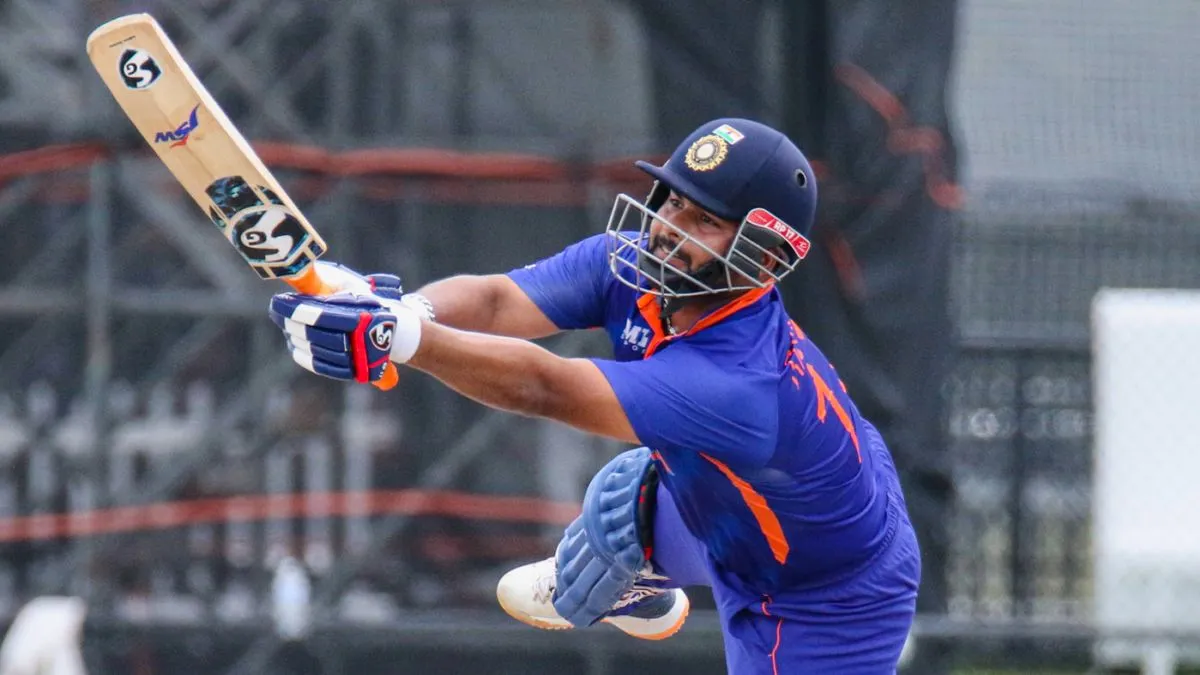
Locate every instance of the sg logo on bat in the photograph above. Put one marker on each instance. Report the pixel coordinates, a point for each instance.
(139, 70)
(264, 231)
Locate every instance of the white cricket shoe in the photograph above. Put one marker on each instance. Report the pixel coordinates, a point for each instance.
(646, 612)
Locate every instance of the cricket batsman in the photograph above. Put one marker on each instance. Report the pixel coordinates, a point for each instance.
(753, 474)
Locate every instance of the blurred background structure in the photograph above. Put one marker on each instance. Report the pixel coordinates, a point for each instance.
(986, 167)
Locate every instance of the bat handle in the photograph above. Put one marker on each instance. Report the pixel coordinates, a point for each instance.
(310, 283)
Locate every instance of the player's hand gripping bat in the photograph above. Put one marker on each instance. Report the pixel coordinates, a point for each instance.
(182, 122)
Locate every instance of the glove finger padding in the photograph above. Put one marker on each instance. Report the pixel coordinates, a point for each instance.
(601, 553)
(346, 336)
(338, 313)
(386, 286)
(334, 357)
(318, 336)
(338, 369)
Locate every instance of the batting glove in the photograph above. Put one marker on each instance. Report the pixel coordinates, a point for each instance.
(346, 336)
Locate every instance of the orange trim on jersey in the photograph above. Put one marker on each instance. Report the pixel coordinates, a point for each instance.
(651, 311)
(775, 649)
(774, 655)
(824, 393)
(798, 329)
(767, 521)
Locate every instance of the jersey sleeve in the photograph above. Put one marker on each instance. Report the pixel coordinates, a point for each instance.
(679, 400)
(569, 287)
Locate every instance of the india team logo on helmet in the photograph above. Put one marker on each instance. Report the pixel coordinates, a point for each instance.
(707, 153)
(738, 170)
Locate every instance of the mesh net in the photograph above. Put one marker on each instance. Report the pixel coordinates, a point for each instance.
(1082, 166)
(1088, 97)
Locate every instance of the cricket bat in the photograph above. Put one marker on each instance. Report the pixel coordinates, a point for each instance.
(206, 153)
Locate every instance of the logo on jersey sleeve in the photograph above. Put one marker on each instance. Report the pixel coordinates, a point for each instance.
(636, 337)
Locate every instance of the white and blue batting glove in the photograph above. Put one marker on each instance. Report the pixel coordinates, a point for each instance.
(346, 336)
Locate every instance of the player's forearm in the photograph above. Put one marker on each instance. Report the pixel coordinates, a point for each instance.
(492, 304)
(467, 302)
(505, 373)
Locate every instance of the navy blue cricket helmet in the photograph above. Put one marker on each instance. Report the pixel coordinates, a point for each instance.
(738, 170)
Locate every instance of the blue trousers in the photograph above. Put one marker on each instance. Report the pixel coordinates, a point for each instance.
(857, 626)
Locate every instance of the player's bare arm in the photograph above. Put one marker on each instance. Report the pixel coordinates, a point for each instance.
(521, 377)
(492, 304)
(488, 303)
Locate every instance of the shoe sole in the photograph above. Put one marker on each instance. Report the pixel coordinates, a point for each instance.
(662, 635)
(544, 624)
(561, 624)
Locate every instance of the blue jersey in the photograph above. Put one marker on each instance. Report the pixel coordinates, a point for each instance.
(754, 434)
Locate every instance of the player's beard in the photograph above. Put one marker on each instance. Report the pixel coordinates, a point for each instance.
(655, 265)
(666, 267)
(662, 249)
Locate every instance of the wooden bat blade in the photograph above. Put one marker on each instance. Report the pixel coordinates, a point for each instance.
(178, 117)
(201, 147)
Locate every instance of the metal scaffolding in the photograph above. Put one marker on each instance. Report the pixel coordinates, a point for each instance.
(115, 275)
(139, 368)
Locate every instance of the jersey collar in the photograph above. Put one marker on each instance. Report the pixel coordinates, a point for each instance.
(651, 311)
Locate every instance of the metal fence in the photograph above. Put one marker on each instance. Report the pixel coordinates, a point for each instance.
(137, 368)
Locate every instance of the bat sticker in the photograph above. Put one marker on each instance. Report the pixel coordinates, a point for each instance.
(266, 233)
(180, 134)
(215, 217)
(270, 235)
(138, 69)
(232, 194)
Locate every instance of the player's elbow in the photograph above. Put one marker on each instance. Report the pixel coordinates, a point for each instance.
(576, 393)
(548, 393)
(483, 292)
(486, 288)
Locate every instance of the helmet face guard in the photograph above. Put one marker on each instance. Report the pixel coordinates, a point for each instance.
(744, 266)
(740, 171)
